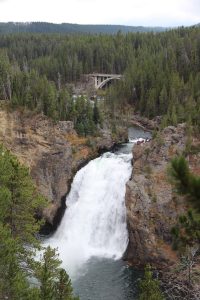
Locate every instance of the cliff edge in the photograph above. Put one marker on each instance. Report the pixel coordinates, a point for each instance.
(152, 206)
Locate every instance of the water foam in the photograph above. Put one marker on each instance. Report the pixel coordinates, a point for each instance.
(94, 224)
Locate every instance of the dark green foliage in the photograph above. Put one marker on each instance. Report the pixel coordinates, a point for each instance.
(13, 281)
(5, 83)
(149, 287)
(53, 280)
(19, 203)
(85, 117)
(187, 232)
(185, 182)
(180, 174)
(96, 114)
(63, 287)
(47, 273)
(18, 199)
(195, 189)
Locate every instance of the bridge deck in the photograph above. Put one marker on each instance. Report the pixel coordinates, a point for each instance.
(104, 75)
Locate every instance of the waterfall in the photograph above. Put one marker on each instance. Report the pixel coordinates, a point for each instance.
(94, 223)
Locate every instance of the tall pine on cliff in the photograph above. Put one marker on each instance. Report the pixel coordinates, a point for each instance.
(149, 287)
(19, 202)
(54, 281)
(186, 233)
(185, 182)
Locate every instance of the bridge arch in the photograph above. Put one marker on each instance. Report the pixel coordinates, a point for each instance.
(104, 82)
(100, 80)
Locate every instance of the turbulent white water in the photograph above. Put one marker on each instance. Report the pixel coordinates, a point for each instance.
(94, 224)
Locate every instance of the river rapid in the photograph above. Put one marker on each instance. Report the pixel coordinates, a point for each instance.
(92, 236)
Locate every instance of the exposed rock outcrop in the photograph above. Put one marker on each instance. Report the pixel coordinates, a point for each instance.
(152, 207)
(145, 123)
(52, 152)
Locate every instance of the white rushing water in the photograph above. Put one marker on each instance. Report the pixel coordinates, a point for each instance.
(94, 224)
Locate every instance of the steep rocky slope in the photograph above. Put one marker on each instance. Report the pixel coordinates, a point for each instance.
(53, 152)
(152, 206)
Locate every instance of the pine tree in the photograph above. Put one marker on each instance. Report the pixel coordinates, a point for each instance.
(187, 231)
(22, 199)
(96, 114)
(179, 174)
(149, 287)
(13, 282)
(47, 273)
(64, 290)
(54, 281)
(163, 100)
(18, 203)
(185, 182)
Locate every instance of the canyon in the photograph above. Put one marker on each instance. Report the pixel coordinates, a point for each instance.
(53, 152)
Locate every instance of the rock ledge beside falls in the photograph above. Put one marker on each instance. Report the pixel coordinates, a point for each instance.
(152, 207)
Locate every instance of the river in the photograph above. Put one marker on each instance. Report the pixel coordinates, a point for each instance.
(92, 236)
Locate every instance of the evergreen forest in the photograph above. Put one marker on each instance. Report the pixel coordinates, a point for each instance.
(161, 73)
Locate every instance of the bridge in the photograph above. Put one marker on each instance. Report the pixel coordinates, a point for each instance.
(102, 80)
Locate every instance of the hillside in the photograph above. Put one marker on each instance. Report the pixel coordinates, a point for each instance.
(43, 27)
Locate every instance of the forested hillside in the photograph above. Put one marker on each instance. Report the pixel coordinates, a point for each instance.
(43, 27)
(161, 73)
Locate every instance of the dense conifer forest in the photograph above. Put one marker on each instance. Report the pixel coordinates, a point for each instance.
(161, 72)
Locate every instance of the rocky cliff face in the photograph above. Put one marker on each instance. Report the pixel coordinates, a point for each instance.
(52, 152)
(152, 207)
